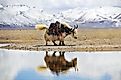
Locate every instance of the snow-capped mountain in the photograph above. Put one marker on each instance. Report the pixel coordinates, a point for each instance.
(96, 17)
(22, 16)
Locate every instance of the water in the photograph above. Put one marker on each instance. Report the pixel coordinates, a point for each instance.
(41, 65)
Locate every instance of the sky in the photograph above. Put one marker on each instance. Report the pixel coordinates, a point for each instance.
(63, 4)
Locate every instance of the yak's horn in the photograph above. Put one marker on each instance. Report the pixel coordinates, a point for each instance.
(76, 26)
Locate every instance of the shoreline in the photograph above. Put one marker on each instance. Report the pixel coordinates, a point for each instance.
(69, 48)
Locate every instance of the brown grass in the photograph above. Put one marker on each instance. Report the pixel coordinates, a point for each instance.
(85, 37)
(94, 37)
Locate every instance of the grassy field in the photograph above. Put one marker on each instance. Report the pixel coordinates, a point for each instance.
(85, 37)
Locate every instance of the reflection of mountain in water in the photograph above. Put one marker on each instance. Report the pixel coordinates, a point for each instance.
(58, 64)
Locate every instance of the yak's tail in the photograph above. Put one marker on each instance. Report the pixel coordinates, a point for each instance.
(41, 26)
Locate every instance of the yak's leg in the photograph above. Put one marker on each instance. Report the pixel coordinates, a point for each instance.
(63, 43)
(60, 42)
(54, 43)
(46, 43)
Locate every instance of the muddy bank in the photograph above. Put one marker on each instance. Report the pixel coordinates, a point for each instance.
(69, 48)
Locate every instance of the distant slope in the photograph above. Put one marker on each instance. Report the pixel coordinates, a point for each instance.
(23, 16)
(97, 17)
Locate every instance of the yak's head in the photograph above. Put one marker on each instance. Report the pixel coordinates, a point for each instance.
(70, 30)
(74, 32)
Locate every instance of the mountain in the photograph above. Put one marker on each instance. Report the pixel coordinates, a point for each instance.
(24, 16)
(21, 16)
(96, 17)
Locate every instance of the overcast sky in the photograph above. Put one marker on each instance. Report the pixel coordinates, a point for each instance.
(63, 4)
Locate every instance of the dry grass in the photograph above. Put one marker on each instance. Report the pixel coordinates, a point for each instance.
(21, 36)
(100, 36)
(85, 37)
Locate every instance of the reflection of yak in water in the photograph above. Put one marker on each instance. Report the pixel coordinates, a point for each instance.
(59, 64)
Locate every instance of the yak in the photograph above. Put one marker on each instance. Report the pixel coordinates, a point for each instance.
(65, 30)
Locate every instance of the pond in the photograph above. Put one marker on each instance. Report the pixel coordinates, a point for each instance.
(44, 65)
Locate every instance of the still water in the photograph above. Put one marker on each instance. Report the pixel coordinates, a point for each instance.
(43, 65)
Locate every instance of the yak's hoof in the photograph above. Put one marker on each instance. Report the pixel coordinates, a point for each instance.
(59, 44)
(55, 44)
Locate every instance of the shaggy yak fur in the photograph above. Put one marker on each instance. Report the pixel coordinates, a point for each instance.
(55, 33)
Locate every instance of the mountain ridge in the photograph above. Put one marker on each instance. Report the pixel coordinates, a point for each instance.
(23, 16)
